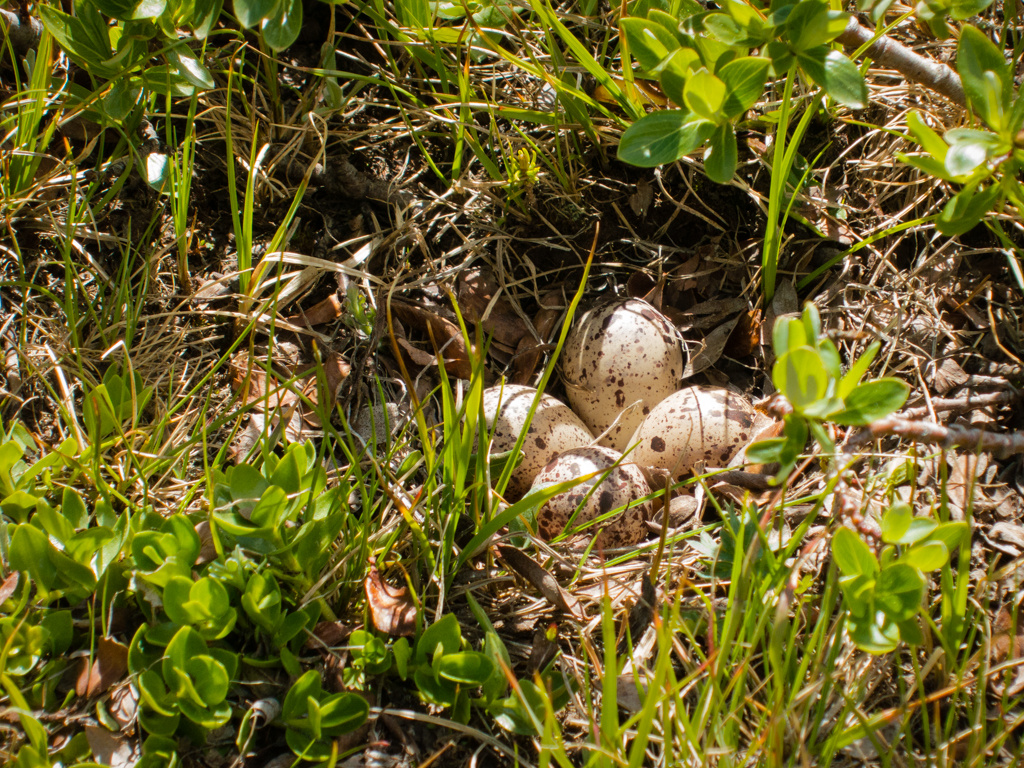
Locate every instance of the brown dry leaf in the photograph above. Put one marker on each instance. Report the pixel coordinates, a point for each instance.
(329, 633)
(110, 748)
(391, 608)
(109, 665)
(326, 311)
(965, 469)
(336, 370)
(656, 296)
(545, 583)
(7, 588)
(1007, 538)
(446, 336)
(709, 314)
(714, 345)
(947, 375)
(529, 353)
(641, 200)
(124, 704)
(476, 291)
(545, 646)
(639, 285)
(746, 336)
(1005, 647)
(207, 550)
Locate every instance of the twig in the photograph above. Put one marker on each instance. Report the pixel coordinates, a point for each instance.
(887, 52)
(971, 401)
(999, 445)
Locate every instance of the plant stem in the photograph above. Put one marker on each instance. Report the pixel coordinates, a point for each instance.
(773, 231)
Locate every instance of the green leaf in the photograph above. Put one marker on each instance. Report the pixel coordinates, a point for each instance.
(30, 553)
(911, 633)
(965, 156)
(468, 667)
(342, 713)
(720, 155)
(663, 137)
(926, 137)
(704, 94)
(898, 591)
(872, 401)
(444, 634)
(965, 210)
(765, 451)
(252, 12)
(807, 25)
(295, 701)
(852, 555)
(951, 534)
(836, 74)
(976, 55)
(744, 83)
(210, 679)
(896, 522)
(788, 334)
(649, 43)
(189, 67)
(920, 528)
(442, 693)
(282, 28)
(926, 556)
(874, 634)
(675, 72)
(800, 375)
(853, 376)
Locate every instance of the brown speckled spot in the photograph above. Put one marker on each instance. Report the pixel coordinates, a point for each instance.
(540, 443)
(657, 444)
(606, 503)
(620, 398)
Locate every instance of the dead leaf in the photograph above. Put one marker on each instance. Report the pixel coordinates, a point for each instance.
(947, 375)
(709, 314)
(1007, 538)
(124, 704)
(545, 583)
(110, 748)
(447, 337)
(545, 646)
(328, 633)
(656, 296)
(109, 665)
(7, 588)
(628, 696)
(714, 345)
(639, 285)
(207, 551)
(641, 200)
(745, 338)
(391, 608)
(325, 311)
(477, 290)
(966, 469)
(1005, 647)
(529, 352)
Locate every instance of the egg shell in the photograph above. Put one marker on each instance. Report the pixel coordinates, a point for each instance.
(616, 355)
(554, 430)
(708, 424)
(624, 483)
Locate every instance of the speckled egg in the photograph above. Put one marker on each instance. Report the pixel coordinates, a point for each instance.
(623, 485)
(617, 355)
(554, 429)
(708, 424)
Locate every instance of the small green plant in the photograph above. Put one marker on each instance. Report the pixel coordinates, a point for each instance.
(985, 162)
(182, 681)
(884, 594)
(142, 53)
(313, 718)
